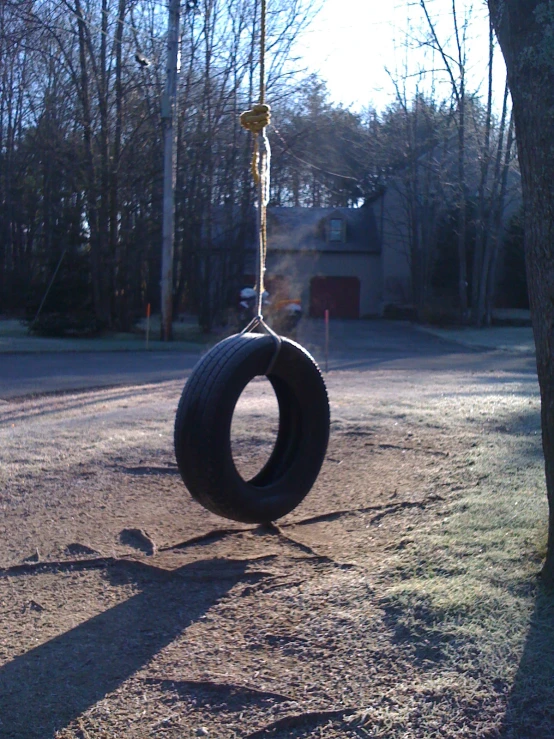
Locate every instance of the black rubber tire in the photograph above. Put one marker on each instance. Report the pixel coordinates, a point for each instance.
(203, 428)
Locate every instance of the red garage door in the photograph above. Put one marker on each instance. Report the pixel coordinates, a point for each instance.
(341, 295)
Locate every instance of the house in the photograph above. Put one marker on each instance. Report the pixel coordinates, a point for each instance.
(330, 258)
(355, 262)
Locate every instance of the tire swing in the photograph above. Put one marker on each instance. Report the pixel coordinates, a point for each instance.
(204, 415)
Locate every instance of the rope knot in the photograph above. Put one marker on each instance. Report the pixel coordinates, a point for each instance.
(257, 119)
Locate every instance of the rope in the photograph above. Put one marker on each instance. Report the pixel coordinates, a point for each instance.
(262, 52)
(256, 120)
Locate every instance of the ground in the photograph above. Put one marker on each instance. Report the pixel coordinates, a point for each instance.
(400, 599)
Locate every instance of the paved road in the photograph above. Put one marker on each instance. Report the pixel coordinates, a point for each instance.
(31, 374)
(363, 345)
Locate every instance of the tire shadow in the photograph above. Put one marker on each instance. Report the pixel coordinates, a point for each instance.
(44, 689)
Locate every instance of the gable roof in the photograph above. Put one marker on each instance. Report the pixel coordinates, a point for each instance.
(304, 229)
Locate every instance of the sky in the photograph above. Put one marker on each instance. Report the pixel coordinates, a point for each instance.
(352, 41)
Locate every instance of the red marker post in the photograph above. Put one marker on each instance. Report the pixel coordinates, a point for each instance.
(326, 339)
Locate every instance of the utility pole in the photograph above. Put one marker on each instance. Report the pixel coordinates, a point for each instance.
(168, 118)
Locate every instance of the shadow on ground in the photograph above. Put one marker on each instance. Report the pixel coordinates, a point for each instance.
(44, 689)
(527, 706)
(530, 709)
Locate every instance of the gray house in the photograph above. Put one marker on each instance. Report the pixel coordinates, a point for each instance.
(330, 258)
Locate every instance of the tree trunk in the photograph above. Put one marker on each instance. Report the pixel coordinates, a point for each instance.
(524, 31)
(462, 211)
(496, 227)
(496, 206)
(482, 239)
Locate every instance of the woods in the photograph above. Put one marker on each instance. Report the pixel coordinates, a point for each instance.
(81, 148)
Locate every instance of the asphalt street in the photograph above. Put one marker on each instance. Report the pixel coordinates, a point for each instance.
(353, 345)
(36, 374)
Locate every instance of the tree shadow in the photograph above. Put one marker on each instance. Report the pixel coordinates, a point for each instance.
(415, 635)
(522, 422)
(530, 709)
(46, 688)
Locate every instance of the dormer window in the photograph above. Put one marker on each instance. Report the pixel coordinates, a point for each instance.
(336, 229)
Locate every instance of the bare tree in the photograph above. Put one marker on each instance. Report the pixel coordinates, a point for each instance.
(455, 67)
(525, 31)
(86, 76)
(474, 141)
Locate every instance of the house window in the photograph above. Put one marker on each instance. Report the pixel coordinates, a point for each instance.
(335, 229)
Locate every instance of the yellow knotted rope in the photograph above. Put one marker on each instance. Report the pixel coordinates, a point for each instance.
(257, 119)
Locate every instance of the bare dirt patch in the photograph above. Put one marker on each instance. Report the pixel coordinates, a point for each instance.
(396, 601)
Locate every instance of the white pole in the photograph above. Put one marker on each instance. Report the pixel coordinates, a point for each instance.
(168, 116)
